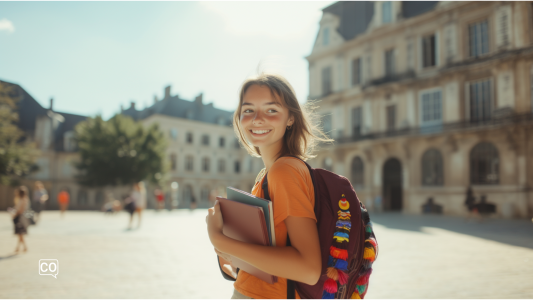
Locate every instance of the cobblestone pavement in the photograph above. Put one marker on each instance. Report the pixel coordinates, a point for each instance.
(170, 256)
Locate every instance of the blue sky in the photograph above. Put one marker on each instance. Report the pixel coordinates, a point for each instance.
(92, 57)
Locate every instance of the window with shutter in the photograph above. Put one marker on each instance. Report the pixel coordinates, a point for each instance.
(357, 121)
(480, 97)
(429, 51)
(478, 35)
(327, 124)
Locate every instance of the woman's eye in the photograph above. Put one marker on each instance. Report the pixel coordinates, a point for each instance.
(247, 111)
(272, 110)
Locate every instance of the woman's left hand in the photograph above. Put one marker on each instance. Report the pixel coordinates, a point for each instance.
(214, 224)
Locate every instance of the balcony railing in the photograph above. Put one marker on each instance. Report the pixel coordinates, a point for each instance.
(515, 119)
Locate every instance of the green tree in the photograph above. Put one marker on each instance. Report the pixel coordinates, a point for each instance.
(119, 151)
(17, 155)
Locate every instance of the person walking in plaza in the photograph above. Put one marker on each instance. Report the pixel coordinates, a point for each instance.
(271, 124)
(160, 199)
(63, 198)
(470, 203)
(40, 196)
(138, 197)
(22, 204)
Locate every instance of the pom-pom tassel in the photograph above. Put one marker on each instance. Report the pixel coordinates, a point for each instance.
(338, 253)
(341, 245)
(367, 264)
(355, 295)
(361, 289)
(341, 264)
(330, 286)
(363, 279)
(331, 261)
(332, 273)
(343, 277)
(369, 254)
(326, 295)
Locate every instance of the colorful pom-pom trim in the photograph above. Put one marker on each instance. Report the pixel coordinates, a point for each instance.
(338, 252)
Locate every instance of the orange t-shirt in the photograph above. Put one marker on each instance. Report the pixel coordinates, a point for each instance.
(291, 190)
(63, 197)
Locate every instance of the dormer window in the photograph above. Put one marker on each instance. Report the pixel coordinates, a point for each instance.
(386, 12)
(325, 36)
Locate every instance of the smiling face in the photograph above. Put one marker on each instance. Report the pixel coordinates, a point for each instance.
(263, 118)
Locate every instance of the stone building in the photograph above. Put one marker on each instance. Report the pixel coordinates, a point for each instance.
(204, 153)
(425, 99)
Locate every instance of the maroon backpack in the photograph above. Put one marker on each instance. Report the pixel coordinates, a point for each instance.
(347, 241)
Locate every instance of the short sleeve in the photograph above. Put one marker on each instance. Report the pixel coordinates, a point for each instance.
(291, 189)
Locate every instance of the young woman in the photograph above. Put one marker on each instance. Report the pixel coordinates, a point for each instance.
(22, 203)
(271, 124)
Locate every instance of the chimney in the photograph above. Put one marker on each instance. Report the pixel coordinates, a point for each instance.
(199, 98)
(121, 108)
(132, 105)
(167, 92)
(52, 103)
(155, 99)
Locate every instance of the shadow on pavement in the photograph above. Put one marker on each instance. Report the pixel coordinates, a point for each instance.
(8, 256)
(512, 232)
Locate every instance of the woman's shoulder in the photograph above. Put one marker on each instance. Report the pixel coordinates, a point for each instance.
(289, 166)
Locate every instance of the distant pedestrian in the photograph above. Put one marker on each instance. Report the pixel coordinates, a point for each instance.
(160, 199)
(138, 197)
(22, 204)
(63, 198)
(193, 203)
(40, 196)
(470, 203)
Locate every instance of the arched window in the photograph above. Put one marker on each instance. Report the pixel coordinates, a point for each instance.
(484, 164)
(432, 170)
(327, 163)
(358, 172)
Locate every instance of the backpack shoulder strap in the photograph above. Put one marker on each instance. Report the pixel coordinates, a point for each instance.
(291, 288)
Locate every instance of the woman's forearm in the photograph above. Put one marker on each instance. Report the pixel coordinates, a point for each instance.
(285, 262)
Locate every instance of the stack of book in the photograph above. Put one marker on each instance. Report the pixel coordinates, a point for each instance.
(248, 219)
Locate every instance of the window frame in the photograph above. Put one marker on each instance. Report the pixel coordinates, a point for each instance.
(357, 73)
(391, 125)
(425, 167)
(327, 85)
(421, 107)
(206, 139)
(360, 119)
(468, 97)
(470, 53)
(475, 178)
(389, 58)
(389, 11)
(206, 164)
(353, 172)
(189, 138)
(189, 163)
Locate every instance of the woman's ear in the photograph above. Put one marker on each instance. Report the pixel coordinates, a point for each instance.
(290, 121)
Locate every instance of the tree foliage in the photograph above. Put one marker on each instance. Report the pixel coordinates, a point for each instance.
(119, 151)
(17, 155)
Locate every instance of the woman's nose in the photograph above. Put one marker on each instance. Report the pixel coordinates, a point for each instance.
(258, 118)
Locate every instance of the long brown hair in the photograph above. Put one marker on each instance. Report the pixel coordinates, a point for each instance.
(304, 134)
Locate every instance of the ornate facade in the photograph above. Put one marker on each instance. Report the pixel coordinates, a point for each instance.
(425, 99)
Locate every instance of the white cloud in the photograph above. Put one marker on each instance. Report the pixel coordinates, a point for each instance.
(6, 25)
(276, 19)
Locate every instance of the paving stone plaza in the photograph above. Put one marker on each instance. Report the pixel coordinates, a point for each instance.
(170, 256)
